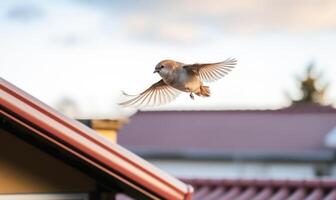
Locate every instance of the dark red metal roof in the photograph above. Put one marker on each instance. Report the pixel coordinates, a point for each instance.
(84, 143)
(263, 189)
(287, 130)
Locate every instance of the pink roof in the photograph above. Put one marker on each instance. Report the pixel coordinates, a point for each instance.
(86, 145)
(263, 189)
(288, 130)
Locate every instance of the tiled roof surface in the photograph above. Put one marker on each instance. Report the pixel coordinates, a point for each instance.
(230, 131)
(263, 190)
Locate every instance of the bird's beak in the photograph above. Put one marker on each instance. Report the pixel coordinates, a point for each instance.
(156, 70)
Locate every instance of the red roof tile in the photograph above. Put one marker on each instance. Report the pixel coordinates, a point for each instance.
(84, 143)
(263, 189)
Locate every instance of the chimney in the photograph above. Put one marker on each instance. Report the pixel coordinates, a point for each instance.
(106, 127)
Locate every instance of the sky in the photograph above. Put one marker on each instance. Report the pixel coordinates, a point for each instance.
(85, 52)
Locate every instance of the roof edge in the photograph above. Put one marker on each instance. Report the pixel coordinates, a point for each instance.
(77, 135)
(293, 109)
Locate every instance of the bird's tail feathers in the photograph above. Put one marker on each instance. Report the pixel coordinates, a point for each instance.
(204, 91)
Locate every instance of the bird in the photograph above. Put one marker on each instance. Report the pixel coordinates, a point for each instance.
(178, 77)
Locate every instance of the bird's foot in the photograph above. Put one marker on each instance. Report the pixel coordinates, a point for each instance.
(192, 96)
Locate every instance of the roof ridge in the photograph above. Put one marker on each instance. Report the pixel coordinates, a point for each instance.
(291, 109)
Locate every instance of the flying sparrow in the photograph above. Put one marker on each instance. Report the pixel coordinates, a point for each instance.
(177, 77)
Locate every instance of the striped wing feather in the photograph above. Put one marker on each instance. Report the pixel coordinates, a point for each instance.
(157, 94)
(213, 71)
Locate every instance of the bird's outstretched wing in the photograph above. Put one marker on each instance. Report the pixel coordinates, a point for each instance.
(212, 71)
(157, 94)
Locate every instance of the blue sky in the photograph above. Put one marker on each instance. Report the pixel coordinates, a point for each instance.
(88, 51)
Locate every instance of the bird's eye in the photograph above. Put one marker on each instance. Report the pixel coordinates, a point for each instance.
(161, 66)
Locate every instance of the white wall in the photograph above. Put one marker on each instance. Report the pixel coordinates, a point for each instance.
(225, 169)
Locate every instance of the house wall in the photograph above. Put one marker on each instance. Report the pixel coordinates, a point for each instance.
(26, 169)
(239, 169)
(333, 171)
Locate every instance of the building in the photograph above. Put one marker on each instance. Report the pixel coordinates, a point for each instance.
(286, 143)
(45, 155)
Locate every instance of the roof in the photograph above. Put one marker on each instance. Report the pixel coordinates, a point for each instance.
(246, 133)
(307, 107)
(117, 164)
(263, 189)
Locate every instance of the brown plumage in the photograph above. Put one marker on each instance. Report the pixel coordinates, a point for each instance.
(204, 91)
(177, 77)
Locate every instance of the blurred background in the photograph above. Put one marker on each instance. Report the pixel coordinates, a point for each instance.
(85, 52)
(276, 110)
